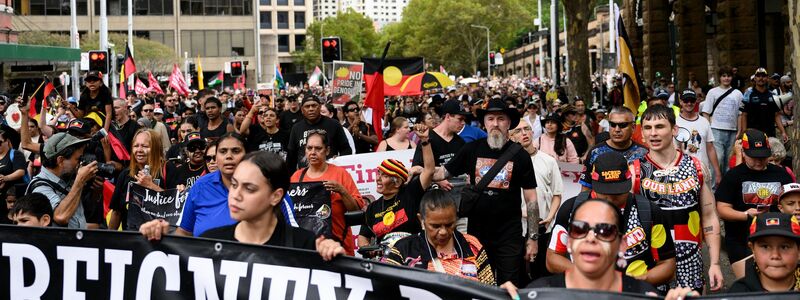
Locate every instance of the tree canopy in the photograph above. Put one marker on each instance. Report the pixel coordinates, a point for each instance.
(357, 34)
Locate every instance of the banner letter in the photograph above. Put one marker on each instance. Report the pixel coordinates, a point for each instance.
(41, 270)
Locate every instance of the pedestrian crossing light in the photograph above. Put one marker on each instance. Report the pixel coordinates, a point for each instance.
(331, 49)
(98, 61)
(236, 68)
(491, 58)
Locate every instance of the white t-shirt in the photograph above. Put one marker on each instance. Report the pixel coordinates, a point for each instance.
(549, 182)
(603, 125)
(697, 134)
(726, 115)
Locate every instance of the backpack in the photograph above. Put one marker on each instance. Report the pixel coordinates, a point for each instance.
(38, 181)
(25, 178)
(643, 207)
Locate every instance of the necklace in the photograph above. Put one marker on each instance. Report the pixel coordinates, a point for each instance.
(195, 170)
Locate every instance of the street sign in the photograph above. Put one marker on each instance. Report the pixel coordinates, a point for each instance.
(498, 58)
(84, 61)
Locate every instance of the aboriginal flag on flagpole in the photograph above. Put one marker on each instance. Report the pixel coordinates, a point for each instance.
(376, 93)
(631, 81)
(39, 97)
(395, 72)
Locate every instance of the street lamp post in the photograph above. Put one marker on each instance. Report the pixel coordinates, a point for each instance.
(488, 59)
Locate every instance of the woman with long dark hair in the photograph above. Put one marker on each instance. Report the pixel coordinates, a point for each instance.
(554, 142)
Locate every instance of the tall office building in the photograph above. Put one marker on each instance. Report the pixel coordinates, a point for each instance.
(381, 12)
(282, 26)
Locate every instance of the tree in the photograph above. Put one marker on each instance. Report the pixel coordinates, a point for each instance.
(149, 55)
(577, 13)
(794, 31)
(356, 31)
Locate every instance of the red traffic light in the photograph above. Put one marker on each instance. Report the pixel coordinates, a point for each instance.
(97, 56)
(333, 43)
(235, 64)
(491, 55)
(326, 43)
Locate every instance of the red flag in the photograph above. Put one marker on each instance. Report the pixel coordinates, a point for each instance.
(375, 94)
(177, 81)
(130, 65)
(123, 90)
(39, 98)
(140, 88)
(118, 147)
(154, 86)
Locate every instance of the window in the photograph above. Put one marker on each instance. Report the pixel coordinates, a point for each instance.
(265, 2)
(266, 20)
(283, 43)
(215, 7)
(300, 2)
(47, 7)
(140, 7)
(300, 20)
(282, 2)
(299, 42)
(218, 43)
(283, 20)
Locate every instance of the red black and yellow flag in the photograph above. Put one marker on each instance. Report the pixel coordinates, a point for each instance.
(395, 72)
(631, 92)
(39, 97)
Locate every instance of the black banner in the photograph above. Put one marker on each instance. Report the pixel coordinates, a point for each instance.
(55, 263)
(145, 204)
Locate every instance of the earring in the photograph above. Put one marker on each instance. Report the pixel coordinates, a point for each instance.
(621, 261)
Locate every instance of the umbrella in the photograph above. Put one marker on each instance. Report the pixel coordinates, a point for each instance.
(427, 81)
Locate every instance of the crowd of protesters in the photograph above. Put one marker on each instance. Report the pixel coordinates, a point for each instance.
(483, 197)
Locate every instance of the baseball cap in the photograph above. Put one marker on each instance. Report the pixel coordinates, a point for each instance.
(158, 110)
(610, 174)
(58, 142)
(451, 89)
(194, 137)
(453, 107)
(308, 98)
(476, 101)
(755, 144)
(93, 75)
(760, 71)
(80, 127)
(72, 100)
(688, 94)
(790, 188)
(775, 76)
(774, 224)
(662, 94)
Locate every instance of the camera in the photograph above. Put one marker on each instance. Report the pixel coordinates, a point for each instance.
(103, 169)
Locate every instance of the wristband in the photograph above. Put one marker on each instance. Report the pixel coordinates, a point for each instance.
(425, 143)
(747, 215)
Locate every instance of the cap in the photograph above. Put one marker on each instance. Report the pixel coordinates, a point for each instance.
(145, 122)
(774, 224)
(97, 117)
(451, 89)
(395, 168)
(93, 75)
(476, 101)
(760, 71)
(58, 142)
(610, 174)
(308, 98)
(158, 110)
(193, 138)
(662, 94)
(755, 144)
(80, 127)
(688, 94)
(453, 107)
(496, 105)
(72, 100)
(775, 76)
(790, 188)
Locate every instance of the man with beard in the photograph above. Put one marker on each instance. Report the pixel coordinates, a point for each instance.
(313, 121)
(494, 218)
(62, 180)
(759, 111)
(620, 125)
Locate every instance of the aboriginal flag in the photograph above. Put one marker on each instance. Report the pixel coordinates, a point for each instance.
(632, 94)
(39, 98)
(395, 72)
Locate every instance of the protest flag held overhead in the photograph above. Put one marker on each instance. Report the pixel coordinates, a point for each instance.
(123, 90)
(376, 92)
(130, 64)
(177, 82)
(154, 86)
(140, 88)
(199, 74)
(313, 79)
(279, 83)
(395, 72)
(217, 80)
(631, 82)
(39, 97)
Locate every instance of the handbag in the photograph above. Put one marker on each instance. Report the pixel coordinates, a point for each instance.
(471, 193)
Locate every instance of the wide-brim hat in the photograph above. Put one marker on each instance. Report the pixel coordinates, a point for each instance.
(497, 105)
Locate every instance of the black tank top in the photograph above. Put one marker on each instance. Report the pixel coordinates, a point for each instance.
(389, 147)
(211, 135)
(575, 134)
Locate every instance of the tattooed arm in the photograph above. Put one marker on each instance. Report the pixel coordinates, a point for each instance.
(711, 233)
(531, 246)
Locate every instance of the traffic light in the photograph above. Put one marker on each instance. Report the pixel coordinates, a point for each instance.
(491, 58)
(331, 49)
(236, 68)
(98, 61)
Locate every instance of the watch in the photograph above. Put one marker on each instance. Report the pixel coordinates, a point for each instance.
(425, 143)
(534, 236)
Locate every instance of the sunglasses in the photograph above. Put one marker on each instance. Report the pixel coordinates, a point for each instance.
(602, 231)
(147, 110)
(621, 125)
(193, 148)
(209, 158)
(353, 109)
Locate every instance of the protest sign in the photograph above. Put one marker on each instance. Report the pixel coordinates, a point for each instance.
(145, 204)
(347, 80)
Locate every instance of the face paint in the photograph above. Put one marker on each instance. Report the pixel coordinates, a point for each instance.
(606, 246)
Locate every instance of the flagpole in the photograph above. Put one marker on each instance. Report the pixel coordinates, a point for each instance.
(74, 43)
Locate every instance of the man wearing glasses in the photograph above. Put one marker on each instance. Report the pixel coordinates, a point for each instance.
(363, 134)
(620, 125)
(187, 172)
(649, 253)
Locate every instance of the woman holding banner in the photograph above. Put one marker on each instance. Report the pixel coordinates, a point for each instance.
(396, 209)
(323, 192)
(147, 169)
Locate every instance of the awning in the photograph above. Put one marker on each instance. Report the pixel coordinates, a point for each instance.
(18, 52)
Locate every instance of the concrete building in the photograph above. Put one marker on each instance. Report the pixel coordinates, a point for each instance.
(381, 12)
(326, 8)
(282, 26)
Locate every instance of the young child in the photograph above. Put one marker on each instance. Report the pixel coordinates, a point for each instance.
(789, 202)
(775, 242)
(32, 210)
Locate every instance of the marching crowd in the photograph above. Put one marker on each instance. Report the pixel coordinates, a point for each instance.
(482, 198)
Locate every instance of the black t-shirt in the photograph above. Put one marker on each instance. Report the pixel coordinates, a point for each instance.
(98, 104)
(400, 212)
(575, 134)
(745, 188)
(119, 197)
(761, 111)
(443, 151)
(629, 284)
(497, 211)
(125, 132)
(260, 139)
(7, 166)
(289, 118)
(283, 236)
(296, 148)
(184, 174)
(362, 146)
(214, 134)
